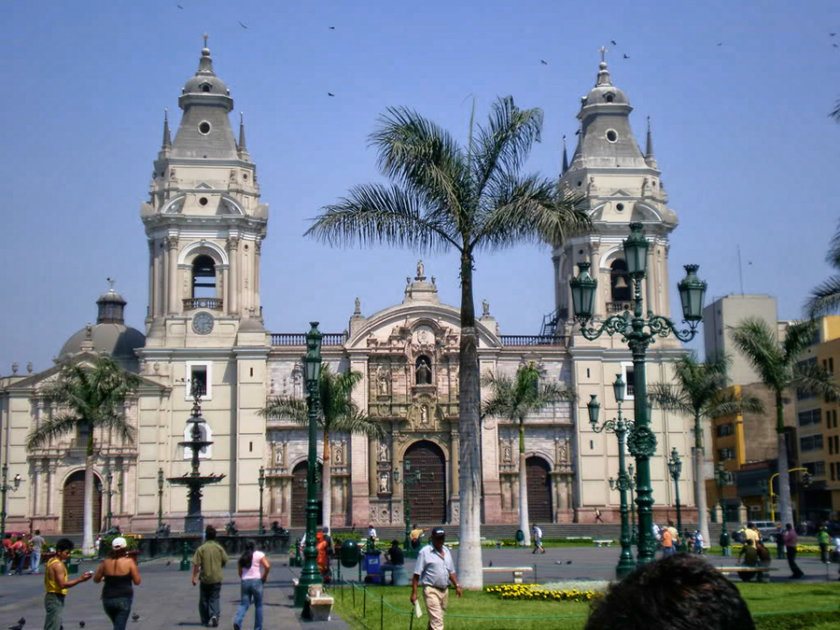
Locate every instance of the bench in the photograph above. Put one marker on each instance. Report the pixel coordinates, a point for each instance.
(318, 604)
(747, 573)
(602, 543)
(516, 571)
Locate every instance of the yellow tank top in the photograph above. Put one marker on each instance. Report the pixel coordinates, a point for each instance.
(50, 585)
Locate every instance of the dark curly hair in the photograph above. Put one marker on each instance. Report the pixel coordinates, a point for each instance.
(681, 592)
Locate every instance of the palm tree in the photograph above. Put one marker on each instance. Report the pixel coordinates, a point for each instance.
(780, 368)
(444, 197)
(699, 389)
(338, 414)
(825, 298)
(514, 399)
(89, 396)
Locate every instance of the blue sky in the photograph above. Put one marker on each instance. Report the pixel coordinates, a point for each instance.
(738, 98)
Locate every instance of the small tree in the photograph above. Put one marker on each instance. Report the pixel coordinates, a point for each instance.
(781, 369)
(514, 399)
(89, 396)
(338, 414)
(699, 389)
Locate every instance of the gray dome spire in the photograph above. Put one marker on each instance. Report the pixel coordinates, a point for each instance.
(205, 88)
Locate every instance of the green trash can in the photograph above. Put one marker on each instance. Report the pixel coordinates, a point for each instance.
(350, 554)
(520, 537)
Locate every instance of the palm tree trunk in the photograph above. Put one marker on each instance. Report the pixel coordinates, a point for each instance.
(700, 481)
(87, 527)
(523, 488)
(326, 481)
(470, 572)
(785, 504)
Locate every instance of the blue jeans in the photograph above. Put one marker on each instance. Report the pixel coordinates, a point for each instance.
(117, 609)
(35, 561)
(251, 590)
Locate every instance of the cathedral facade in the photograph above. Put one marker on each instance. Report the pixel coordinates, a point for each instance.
(205, 222)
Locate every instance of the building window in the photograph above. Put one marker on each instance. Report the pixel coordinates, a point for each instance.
(203, 277)
(620, 290)
(725, 429)
(726, 454)
(627, 374)
(198, 374)
(815, 469)
(812, 416)
(811, 443)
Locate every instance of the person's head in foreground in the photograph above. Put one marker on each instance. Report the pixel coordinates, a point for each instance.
(680, 592)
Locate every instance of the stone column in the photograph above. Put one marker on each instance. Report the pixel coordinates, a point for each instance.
(172, 270)
(598, 306)
(651, 279)
(454, 463)
(233, 281)
(151, 304)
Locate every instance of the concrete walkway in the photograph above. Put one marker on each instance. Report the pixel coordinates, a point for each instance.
(165, 599)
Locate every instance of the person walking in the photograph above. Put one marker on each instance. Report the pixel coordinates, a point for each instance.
(253, 569)
(667, 542)
(779, 537)
(822, 541)
(598, 518)
(56, 584)
(434, 570)
(536, 534)
(120, 574)
(698, 541)
(35, 559)
(791, 539)
(208, 562)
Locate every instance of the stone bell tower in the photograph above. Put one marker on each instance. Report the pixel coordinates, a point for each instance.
(619, 184)
(204, 222)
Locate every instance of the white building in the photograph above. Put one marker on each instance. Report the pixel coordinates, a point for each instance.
(205, 222)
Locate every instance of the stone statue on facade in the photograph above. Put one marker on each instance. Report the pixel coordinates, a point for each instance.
(382, 451)
(424, 372)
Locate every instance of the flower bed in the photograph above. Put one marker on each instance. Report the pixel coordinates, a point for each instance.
(579, 591)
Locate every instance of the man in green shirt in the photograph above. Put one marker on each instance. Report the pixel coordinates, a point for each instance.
(208, 562)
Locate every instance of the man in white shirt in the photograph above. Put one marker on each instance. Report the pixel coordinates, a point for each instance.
(434, 571)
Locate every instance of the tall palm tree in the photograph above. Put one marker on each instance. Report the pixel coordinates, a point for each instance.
(699, 389)
(780, 368)
(825, 298)
(514, 399)
(339, 414)
(443, 197)
(89, 396)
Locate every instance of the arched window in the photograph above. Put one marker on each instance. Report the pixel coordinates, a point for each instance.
(203, 277)
(620, 282)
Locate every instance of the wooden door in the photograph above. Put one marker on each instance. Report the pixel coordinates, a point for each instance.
(298, 515)
(539, 490)
(73, 510)
(427, 497)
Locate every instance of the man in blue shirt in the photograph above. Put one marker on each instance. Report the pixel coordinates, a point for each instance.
(434, 571)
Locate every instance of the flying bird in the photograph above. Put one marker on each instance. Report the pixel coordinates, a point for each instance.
(720, 43)
(832, 34)
(179, 6)
(543, 62)
(332, 28)
(242, 25)
(330, 94)
(626, 56)
(612, 41)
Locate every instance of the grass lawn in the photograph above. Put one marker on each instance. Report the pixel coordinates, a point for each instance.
(488, 612)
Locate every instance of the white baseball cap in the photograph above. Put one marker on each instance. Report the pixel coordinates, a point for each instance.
(118, 543)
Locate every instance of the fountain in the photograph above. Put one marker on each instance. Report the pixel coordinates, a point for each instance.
(194, 521)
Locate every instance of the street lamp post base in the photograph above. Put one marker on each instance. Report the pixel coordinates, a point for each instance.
(624, 567)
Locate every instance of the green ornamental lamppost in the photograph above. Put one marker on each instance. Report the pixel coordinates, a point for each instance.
(261, 482)
(5, 488)
(160, 500)
(675, 468)
(410, 478)
(639, 332)
(631, 485)
(311, 372)
(620, 427)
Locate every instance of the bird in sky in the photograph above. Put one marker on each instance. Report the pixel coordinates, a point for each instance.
(543, 62)
(179, 6)
(720, 43)
(613, 42)
(332, 28)
(242, 25)
(626, 56)
(836, 45)
(832, 34)
(330, 94)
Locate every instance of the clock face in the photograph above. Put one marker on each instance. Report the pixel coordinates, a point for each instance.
(202, 323)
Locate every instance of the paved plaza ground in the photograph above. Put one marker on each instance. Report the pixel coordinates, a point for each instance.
(167, 599)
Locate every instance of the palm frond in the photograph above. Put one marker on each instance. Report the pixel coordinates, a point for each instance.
(670, 397)
(757, 342)
(798, 338)
(285, 408)
(117, 424)
(825, 298)
(835, 113)
(57, 426)
(810, 378)
(358, 423)
(730, 404)
(374, 213)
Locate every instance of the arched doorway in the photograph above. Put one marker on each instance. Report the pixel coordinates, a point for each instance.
(539, 490)
(427, 497)
(73, 509)
(298, 515)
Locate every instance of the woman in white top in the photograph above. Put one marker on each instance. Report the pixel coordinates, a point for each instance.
(253, 571)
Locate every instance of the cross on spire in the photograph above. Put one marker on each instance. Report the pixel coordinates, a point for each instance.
(111, 282)
(205, 36)
(602, 50)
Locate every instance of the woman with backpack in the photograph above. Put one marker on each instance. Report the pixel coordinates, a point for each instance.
(253, 569)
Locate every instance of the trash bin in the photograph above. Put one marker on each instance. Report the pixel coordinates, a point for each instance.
(372, 566)
(349, 554)
(520, 537)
